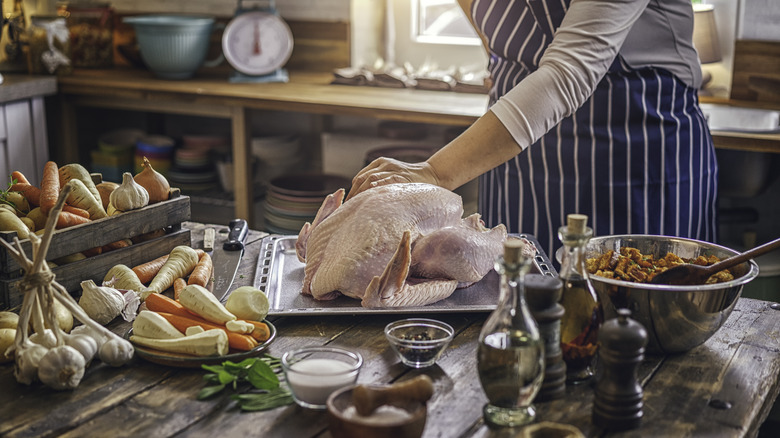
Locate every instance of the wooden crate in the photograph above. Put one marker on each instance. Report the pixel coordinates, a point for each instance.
(167, 215)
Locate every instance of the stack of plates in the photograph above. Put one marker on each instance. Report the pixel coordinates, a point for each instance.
(193, 170)
(158, 149)
(293, 200)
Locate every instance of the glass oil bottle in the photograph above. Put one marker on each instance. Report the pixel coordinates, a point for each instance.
(510, 357)
(582, 309)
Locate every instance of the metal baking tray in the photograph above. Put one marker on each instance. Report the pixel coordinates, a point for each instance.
(280, 274)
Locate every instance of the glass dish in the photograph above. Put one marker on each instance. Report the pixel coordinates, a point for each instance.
(419, 342)
(313, 373)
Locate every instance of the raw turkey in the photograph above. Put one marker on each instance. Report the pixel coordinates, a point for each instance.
(395, 245)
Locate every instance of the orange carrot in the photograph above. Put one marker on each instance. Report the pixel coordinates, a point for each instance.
(29, 191)
(93, 251)
(201, 273)
(178, 285)
(50, 186)
(19, 177)
(148, 270)
(65, 220)
(162, 304)
(119, 244)
(75, 210)
(261, 333)
(237, 341)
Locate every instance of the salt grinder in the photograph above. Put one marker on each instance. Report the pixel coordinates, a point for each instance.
(542, 295)
(617, 402)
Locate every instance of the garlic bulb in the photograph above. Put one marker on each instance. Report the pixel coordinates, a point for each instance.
(129, 195)
(154, 182)
(27, 360)
(61, 368)
(101, 303)
(84, 344)
(116, 352)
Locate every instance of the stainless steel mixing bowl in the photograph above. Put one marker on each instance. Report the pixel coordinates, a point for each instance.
(677, 318)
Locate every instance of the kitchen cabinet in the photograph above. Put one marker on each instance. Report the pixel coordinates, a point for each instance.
(23, 134)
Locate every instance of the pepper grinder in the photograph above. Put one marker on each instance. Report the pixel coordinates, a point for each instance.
(617, 402)
(542, 294)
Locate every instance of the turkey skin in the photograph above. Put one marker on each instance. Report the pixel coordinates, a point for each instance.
(394, 246)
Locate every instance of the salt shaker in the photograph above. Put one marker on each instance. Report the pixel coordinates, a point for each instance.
(542, 295)
(617, 402)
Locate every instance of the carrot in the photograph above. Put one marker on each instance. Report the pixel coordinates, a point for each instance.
(75, 210)
(19, 177)
(119, 244)
(147, 271)
(162, 304)
(178, 285)
(50, 186)
(261, 333)
(201, 273)
(65, 220)
(29, 191)
(237, 341)
(93, 251)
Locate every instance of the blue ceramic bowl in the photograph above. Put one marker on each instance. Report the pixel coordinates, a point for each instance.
(172, 46)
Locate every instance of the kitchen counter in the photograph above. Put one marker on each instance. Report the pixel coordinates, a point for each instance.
(20, 86)
(723, 388)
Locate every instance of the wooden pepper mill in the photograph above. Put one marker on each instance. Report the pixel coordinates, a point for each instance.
(617, 402)
(542, 293)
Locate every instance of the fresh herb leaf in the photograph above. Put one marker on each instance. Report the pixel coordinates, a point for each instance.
(210, 391)
(260, 372)
(262, 376)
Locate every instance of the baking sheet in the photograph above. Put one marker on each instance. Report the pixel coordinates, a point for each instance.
(280, 274)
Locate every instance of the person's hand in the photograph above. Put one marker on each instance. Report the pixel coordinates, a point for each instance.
(383, 171)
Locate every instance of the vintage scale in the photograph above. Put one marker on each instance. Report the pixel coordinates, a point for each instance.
(257, 43)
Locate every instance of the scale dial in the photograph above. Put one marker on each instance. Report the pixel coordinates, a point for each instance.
(257, 43)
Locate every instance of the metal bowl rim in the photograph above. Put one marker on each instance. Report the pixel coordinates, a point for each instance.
(744, 279)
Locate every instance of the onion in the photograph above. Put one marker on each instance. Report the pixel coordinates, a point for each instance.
(155, 183)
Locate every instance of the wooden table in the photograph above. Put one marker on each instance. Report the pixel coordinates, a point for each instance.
(684, 394)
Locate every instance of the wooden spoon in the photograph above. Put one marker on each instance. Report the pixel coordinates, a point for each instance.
(367, 398)
(690, 274)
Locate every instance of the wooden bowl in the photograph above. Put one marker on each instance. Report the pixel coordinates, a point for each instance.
(346, 423)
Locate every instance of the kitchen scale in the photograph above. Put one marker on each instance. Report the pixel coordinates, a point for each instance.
(257, 43)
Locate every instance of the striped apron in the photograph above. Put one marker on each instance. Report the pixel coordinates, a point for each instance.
(636, 158)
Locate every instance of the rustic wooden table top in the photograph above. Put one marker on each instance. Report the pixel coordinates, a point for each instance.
(684, 394)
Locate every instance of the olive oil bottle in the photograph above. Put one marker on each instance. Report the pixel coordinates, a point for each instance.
(583, 314)
(510, 357)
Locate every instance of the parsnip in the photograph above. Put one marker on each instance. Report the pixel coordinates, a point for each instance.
(179, 264)
(199, 300)
(124, 278)
(81, 197)
(9, 221)
(151, 325)
(212, 342)
(79, 172)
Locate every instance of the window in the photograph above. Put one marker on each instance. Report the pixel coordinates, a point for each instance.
(434, 32)
(442, 22)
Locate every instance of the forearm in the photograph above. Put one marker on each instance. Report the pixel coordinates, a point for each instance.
(485, 145)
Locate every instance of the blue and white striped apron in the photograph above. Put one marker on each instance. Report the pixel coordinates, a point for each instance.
(636, 158)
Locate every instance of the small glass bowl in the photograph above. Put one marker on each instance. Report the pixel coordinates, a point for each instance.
(313, 373)
(419, 342)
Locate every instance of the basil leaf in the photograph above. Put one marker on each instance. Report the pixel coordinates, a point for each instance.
(262, 376)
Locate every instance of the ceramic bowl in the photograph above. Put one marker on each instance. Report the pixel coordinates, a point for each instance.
(419, 342)
(172, 46)
(399, 420)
